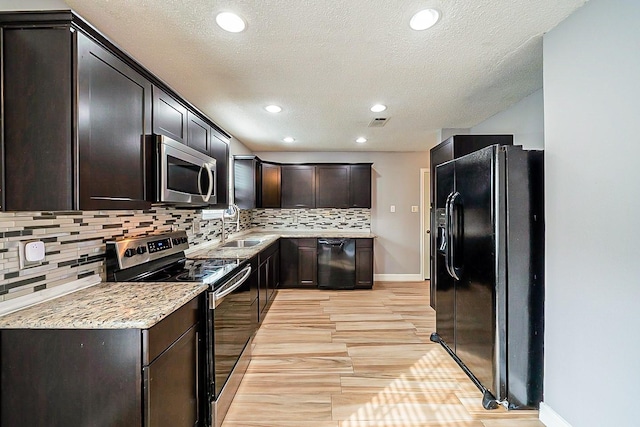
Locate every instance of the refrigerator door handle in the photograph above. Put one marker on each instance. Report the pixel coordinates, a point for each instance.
(446, 244)
(451, 236)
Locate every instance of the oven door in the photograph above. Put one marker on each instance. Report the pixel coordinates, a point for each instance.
(232, 325)
(185, 176)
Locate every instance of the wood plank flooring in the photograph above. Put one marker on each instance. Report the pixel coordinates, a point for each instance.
(358, 359)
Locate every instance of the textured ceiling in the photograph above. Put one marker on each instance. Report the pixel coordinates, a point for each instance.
(326, 62)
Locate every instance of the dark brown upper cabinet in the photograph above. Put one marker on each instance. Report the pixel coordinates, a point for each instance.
(68, 148)
(332, 186)
(219, 150)
(343, 186)
(298, 186)
(271, 182)
(169, 116)
(115, 115)
(76, 112)
(256, 183)
(360, 186)
(198, 134)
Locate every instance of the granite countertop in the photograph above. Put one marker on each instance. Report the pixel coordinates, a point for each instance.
(268, 237)
(108, 305)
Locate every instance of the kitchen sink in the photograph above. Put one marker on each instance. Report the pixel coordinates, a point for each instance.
(242, 243)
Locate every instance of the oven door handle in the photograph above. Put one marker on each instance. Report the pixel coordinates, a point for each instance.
(232, 284)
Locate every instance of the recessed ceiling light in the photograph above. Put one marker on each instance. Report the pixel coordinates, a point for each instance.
(230, 22)
(289, 139)
(361, 140)
(424, 19)
(273, 108)
(378, 108)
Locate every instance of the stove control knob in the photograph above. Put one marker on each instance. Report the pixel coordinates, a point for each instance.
(141, 249)
(176, 241)
(129, 252)
(183, 240)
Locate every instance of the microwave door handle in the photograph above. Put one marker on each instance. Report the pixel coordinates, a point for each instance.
(211, 182)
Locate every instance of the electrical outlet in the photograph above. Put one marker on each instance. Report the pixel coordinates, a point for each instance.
(393, 208)
(196, 226)
(31, 253)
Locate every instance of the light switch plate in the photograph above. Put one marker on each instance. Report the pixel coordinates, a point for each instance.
(31, 253)
(414, 209)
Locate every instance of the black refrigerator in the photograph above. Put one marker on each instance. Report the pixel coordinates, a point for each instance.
(489, 213)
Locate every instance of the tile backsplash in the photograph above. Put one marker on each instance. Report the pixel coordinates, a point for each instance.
(317, 219)
(75, 240)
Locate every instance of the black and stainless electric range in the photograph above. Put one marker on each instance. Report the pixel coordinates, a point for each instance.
(230, 317)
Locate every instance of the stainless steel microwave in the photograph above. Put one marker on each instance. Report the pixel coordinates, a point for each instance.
(185, 176)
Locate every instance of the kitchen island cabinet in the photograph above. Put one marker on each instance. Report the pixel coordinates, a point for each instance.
(123, 362)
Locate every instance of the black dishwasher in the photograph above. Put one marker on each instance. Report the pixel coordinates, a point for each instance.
(336, 263)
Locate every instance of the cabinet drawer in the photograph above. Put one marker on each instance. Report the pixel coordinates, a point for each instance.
(307, 243)
(364, 243)
(156, 339)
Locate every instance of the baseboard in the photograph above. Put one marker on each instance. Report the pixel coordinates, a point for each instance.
(551, 418)
(397, 277)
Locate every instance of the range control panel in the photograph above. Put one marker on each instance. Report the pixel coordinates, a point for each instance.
(139, 250)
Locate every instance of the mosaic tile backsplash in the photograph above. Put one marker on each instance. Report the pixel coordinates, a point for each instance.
(317, 219)
(75, 240)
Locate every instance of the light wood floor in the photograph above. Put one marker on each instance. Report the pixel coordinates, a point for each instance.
(358, 359)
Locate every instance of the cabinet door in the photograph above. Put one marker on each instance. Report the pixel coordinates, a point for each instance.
(169, 116)
(198, 133)
(245, 182)
(307, 266)
(219, 150)
(360, 186)
(172, 381)
(68, 377)
(288, 262)
(114, 117)
(37, 119)
(263, 280)
(274, 273)
(298, 186)
(364, 263)
(332, 189)
(270, 193)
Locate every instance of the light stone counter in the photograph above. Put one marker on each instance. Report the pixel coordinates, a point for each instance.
(268, 237)
(108, 305)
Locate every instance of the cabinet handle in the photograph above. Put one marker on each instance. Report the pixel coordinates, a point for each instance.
(197, 375)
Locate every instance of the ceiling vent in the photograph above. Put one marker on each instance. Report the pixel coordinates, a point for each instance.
(378, 122)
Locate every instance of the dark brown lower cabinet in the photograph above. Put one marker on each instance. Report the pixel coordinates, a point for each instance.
(364, 263)
(268, 276)
(298, 262)
(104, 377)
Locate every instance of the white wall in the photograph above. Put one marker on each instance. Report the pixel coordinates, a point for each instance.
(525, 120)
(396, 181)
(592, 179)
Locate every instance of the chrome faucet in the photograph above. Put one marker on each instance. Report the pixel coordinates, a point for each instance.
(234, 214)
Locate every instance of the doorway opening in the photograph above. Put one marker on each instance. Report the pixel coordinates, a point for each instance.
(425, 223)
